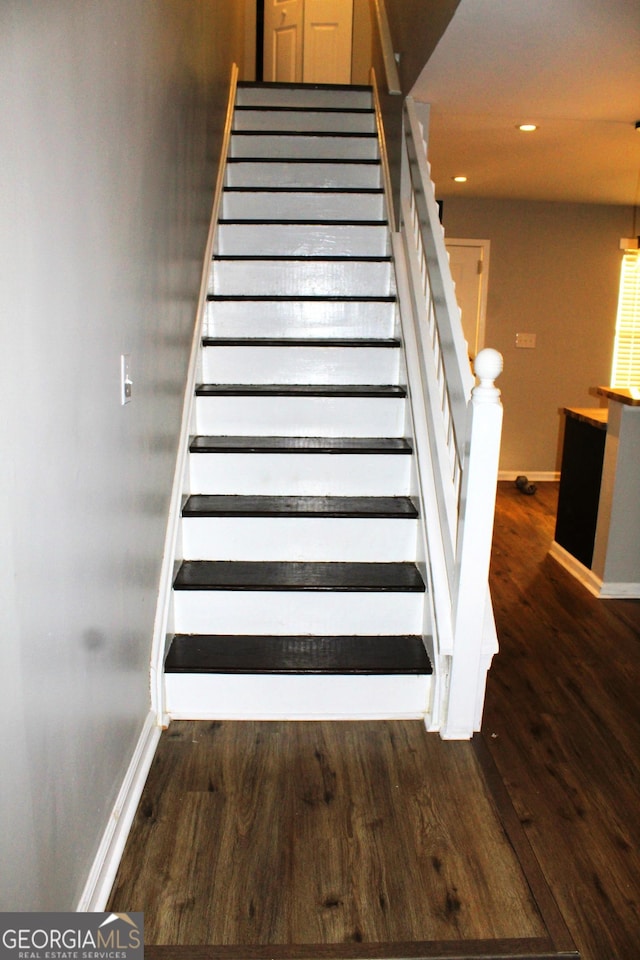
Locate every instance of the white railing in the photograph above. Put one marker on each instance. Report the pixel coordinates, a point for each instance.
(392, 81)
(457, 426)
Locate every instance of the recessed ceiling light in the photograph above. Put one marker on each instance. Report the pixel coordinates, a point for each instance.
(459, 179)
(527, 127)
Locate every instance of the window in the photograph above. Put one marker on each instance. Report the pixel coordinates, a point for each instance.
(626, 351)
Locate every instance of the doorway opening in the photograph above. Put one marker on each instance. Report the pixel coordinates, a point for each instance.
(304, 41)
(469, 262)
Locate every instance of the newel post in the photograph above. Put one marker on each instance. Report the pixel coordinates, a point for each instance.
(473, 551)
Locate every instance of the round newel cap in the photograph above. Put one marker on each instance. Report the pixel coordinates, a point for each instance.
(488, 364)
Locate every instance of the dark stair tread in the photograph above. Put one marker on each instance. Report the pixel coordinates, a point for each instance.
(318, 161)
(267, 108)
(216, 505)
(338, 134)
(299, 576)
(196, 653)
(293, 85)
(296, 258)
(299, 390)
(322, 190)
(271, 221)
(390, 342)
(330, 445)
(296, 298)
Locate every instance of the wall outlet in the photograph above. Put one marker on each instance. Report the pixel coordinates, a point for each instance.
(126, 383)
(526, 340)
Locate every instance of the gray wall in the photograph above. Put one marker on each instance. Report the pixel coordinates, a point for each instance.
(110, 114)
(554, 271)
(416, 27)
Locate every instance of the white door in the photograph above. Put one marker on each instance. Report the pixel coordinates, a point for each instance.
(283, 32)
(328, 28)
(469, 261)
(308, 41)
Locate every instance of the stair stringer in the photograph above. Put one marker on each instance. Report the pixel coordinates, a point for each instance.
(172, 551)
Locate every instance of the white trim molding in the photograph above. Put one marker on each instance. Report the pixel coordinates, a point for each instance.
(590, 580)
(107, 860)
(538, 476)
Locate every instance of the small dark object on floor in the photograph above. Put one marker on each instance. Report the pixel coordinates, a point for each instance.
(523, 485)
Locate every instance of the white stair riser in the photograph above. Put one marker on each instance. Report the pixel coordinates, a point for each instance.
(301, 416)
(291, 240)
(288, 173)
(304, 119)
(350, 540)
(273, 318)
(271, 364)
(288, 146)
(295, 613)
(304, 96)
(322, 278)
(293, 205)
(204, 696)
(308, 474)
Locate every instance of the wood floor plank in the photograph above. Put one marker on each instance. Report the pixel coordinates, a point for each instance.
(306, 833)
(562, 721)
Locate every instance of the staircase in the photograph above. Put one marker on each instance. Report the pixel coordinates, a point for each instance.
(299, 595)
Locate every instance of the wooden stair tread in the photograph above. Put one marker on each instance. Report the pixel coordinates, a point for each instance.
(299, 390)
(388, 342)
(331, 445)
(296, 298)
(299, 576)
(276, 108)
(304, 87)
(317, 189)
(196, 653)
(271, 221)
(216, 505)
(296, 258)
(338, 134)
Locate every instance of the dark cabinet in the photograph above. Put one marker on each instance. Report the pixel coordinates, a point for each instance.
(581, 474)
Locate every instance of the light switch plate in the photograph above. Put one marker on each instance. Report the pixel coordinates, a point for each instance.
(126, 383)
(526, 340)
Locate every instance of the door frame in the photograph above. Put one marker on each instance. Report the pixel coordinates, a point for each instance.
(485, 246)
(256, 10)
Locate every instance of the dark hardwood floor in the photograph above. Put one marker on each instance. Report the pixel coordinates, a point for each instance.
(378, 840)
(562, 721)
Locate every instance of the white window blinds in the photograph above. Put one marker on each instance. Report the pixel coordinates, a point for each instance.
(626, 351)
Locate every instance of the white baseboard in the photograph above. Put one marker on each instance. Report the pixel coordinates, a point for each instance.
(535, 476)
(604, 590)
(620, 591)
(105, 865)
(578, 570)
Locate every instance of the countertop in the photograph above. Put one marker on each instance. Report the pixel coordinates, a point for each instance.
(596, 416)
(631, 397)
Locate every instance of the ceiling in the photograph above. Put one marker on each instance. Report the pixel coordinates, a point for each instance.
(570, 66)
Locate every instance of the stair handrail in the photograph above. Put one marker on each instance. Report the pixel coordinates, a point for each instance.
(457, 428)
(384, 156)
(386, 47)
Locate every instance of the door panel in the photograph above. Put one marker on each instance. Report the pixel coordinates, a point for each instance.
(327, 41)
(469, 261)
(283, 33)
